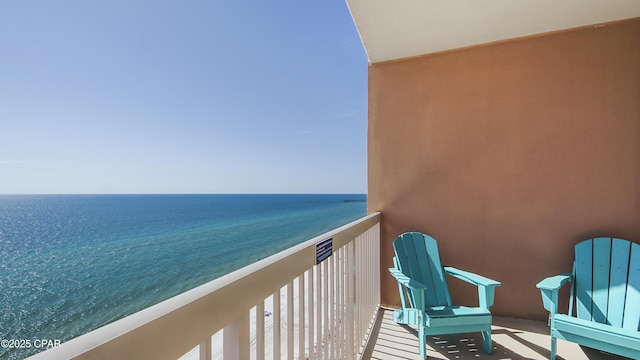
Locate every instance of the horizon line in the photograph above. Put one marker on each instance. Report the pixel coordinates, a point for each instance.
(300, 193)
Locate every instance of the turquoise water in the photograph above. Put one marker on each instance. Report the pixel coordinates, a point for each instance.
(72, 263)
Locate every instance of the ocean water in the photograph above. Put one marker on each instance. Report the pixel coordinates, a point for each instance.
(72, 263)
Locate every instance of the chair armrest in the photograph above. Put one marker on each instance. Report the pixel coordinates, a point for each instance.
(470, 277)
(549, 288)
(407, 281)
(553, 283)
(486, 286)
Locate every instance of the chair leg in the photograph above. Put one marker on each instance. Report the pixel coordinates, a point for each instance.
(486, 342)
(422, 338)
(553, 348)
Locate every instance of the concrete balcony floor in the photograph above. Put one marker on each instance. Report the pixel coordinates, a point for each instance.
(515, 339)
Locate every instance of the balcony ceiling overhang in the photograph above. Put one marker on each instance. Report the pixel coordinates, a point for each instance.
(395, 29)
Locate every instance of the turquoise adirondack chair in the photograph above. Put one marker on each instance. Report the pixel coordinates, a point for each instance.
(421, 279)
(604, 305)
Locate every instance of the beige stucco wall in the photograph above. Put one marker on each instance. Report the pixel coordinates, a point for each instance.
(509, 154)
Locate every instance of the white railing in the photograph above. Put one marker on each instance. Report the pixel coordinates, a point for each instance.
(282, 307)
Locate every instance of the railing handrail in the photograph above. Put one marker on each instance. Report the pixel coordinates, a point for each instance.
(173, 327)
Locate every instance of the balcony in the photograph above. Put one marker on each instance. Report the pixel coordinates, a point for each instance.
(288, 306)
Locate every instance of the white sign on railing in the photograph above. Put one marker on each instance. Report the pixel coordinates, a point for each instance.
(324, 249)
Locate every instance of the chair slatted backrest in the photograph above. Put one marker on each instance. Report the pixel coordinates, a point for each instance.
(607, 282)
(417, 256)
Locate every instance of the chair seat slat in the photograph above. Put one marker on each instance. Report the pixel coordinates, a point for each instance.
(601, 270)
(618, 281)
(631, 319)
(584, 279)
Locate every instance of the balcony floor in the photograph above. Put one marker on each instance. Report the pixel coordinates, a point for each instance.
(515, 339)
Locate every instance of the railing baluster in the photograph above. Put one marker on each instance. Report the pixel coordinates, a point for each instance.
(276, 325)
(205, 349)
(333, 307)
(310, 313)
(362, 300)
(341, 287)
(339, 314)
(333, 303)
(365, 293)
(376, 239)
(345, 287)
(318, 312)
(326, 330)
(325, 309)
(290, 321)
(260, 331)
(236, 339)
(357, 299)
(350, 301)
(301, 317)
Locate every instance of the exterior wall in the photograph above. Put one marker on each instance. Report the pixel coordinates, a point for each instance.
(509, 154)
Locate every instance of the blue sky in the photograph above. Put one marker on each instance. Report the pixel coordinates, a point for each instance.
(191, 96)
